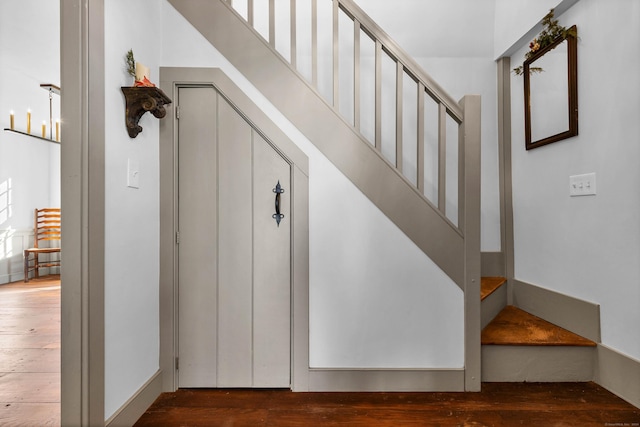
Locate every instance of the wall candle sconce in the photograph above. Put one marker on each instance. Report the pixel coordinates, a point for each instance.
(139, 100)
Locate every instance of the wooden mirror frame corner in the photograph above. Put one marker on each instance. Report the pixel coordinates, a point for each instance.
(572, 76)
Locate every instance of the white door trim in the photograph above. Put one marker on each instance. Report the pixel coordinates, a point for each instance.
(170, 80)
(82, 185)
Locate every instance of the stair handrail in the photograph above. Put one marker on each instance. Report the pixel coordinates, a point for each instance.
(447, 106)
(410, 65)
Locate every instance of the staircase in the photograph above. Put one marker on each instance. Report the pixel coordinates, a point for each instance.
(518, 346)
(404, 142)
(410, 148)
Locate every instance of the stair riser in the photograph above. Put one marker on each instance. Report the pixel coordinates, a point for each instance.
(537, 363)
(493, 304)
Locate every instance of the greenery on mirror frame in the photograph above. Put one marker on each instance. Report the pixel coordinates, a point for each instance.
(552, 30)
(131, 63)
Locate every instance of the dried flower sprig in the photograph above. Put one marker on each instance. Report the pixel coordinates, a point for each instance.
(551, 32)
(131, 63)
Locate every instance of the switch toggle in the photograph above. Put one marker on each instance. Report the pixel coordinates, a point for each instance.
(133, 173)
(582, 185)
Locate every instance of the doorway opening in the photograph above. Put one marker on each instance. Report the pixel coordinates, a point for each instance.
(30, 155)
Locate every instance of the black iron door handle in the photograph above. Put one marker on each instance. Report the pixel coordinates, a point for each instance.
(278, 216)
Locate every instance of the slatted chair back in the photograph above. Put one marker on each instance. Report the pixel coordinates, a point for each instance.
(47, 226)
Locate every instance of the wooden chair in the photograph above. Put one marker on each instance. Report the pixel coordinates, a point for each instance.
(47, 228)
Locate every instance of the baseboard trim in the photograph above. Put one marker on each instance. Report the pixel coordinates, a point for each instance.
(512, 363)
(12, 266)
(492, 264)
(387, 380)
(618, 373)
(137, 404)
(578, 316)
(11, 277)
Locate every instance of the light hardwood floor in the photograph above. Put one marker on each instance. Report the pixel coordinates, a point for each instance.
(30, 353)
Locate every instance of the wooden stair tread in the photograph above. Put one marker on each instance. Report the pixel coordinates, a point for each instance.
(514, 326)
(488, 285)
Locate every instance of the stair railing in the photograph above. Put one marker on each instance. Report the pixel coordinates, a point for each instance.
(375, 86)
(428, 140)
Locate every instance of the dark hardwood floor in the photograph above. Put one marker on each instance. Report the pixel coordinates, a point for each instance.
(30, 389)
(499, 404)
(30, 353)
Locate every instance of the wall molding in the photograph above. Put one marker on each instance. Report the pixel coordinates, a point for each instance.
(16, 231)
(12, 267)
(132, 410)
(386, 380)
(504, 170)
(576, 315)
(560, 8)
(618, 373)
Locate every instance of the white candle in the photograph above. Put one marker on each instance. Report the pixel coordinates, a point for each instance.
(142, 72)
(11, 117)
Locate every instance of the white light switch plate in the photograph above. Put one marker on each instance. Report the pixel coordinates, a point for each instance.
(133, 173)
(582, 185)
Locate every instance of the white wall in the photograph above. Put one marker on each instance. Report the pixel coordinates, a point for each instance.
(29, 167)
(588, 247)
(131, 215)
(375, 299)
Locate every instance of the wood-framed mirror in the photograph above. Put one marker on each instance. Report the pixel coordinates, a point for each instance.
(551, 94)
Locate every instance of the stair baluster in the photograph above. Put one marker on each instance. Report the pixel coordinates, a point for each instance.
(409, 162)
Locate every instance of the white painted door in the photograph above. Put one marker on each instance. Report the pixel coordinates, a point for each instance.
(234, 259)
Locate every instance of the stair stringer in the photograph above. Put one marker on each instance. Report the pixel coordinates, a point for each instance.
(547, 363)
(573, 314)
(435, 235)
